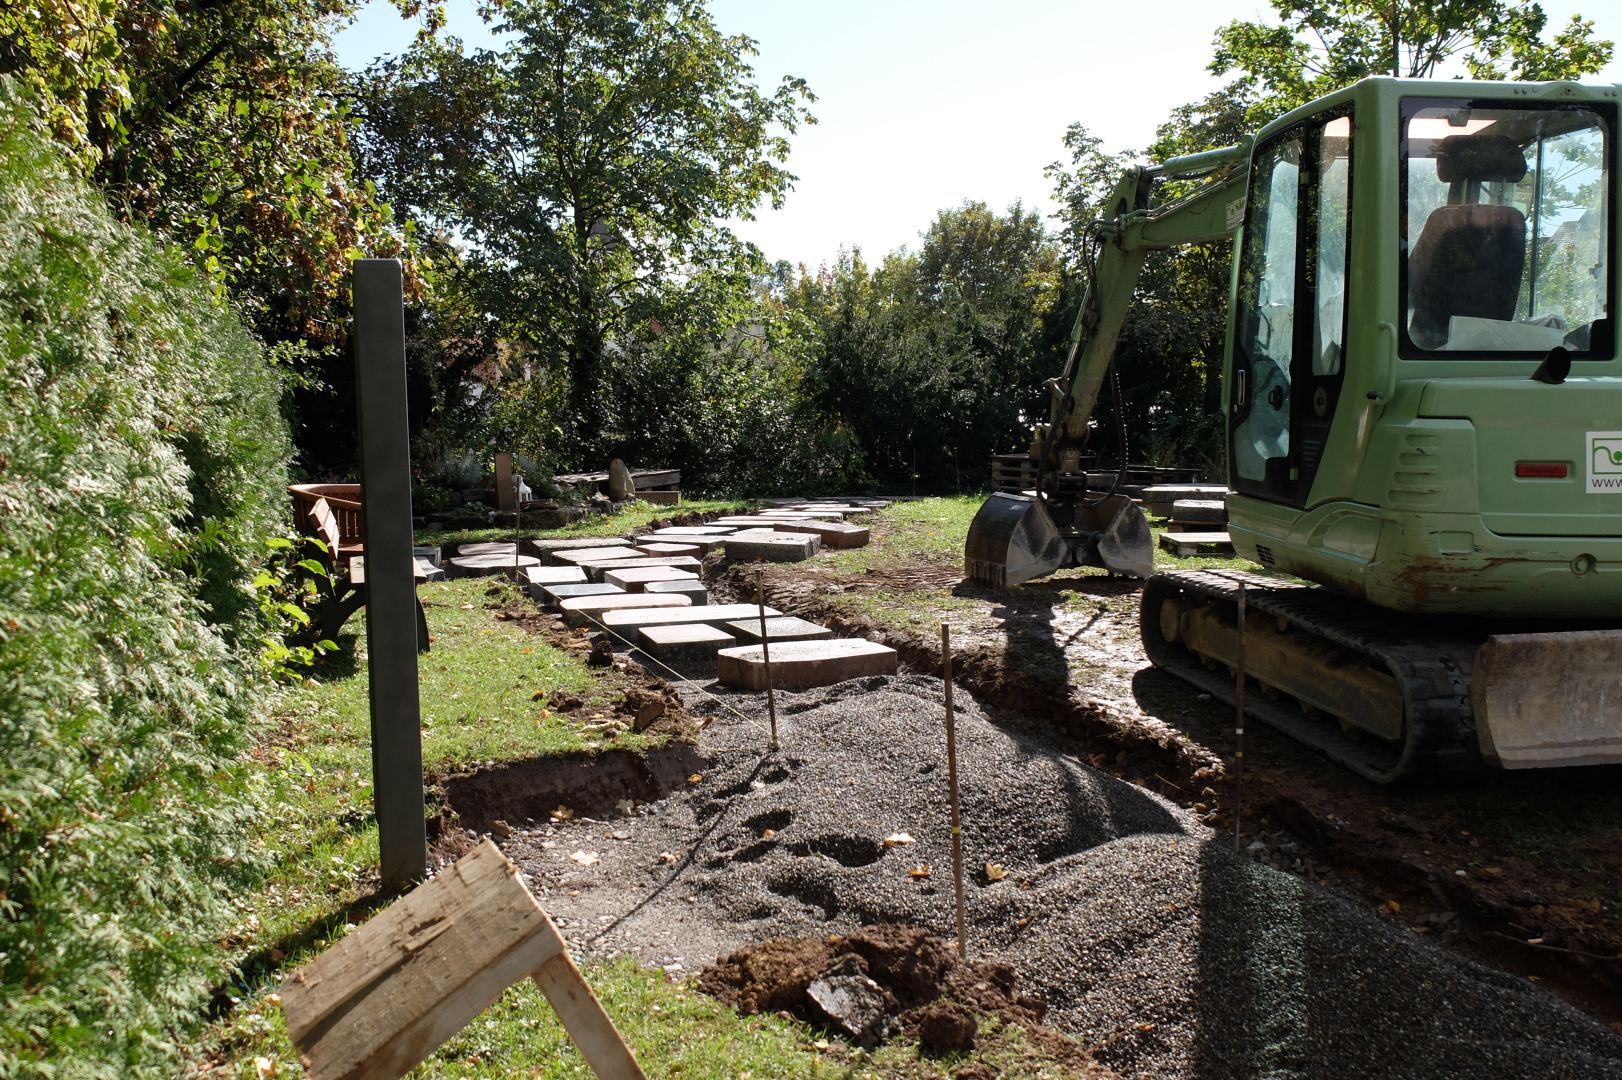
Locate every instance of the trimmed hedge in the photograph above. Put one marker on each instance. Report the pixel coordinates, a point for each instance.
(142, 466)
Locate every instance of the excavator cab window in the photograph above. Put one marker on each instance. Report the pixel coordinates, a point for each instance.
(1507, 229)
(1290, 332)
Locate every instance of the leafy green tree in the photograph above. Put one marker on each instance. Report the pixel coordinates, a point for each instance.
(223, 125)
(588, 167)
(1322, 45)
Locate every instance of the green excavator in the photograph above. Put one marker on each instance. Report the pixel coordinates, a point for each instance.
(1423, 404)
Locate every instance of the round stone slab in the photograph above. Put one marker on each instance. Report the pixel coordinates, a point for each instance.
(691, 588)
(601, 553)
(801, 665)
(488, 547)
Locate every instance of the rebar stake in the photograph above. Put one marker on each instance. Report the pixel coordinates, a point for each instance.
(765, 652)
(1239, 722)
(951, 783)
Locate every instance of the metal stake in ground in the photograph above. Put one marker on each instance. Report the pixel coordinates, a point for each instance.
(1239, 720)
(765, 653)
(951, 783)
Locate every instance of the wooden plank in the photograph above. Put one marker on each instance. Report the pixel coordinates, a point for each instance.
(582, 1015)
(381, 1000)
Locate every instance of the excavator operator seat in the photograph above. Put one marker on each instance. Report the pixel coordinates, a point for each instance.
(1469, 255)
(1466, 262)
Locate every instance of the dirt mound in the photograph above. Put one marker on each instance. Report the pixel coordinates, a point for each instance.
(917, 980)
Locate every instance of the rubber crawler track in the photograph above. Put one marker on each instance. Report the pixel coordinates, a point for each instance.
(1431, 667)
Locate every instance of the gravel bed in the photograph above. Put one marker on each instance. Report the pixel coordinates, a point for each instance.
(1150, 940)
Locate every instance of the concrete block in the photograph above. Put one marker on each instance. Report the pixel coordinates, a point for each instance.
(547, 547)
(429, 555)
(717, 615)
(778, 547)
(596, 570)
(801, 665)
(695, 551)
(463, 566)
(693, 589)
(588, 610)
(553, 595)
(488, 547)
(783, 628)
(660, 498)
(684, 641)
(634, 579)
(1214, 511)
(833, 534)
(693, 530)
(535, 577)
(582, 556)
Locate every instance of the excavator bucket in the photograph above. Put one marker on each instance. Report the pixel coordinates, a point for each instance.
(1116, 536)
(1012, 539)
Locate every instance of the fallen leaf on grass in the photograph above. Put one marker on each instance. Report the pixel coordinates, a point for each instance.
(996, 871)
(586, 858)
(537, 695)
(467, 607)
(897, 839)
(919, 871)
(821, 1044)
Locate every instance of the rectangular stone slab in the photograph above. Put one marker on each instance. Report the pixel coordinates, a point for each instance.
(714, 614)
(801, 665)
(536, 577)
(596, 570)
(779, 547)
(553, 595)
(833, 534)
(783, 628)
(581, 556)
(657, 550)
(634, 578)
(587, 610)
(684, 641)
(547, 547)
(694, 590)
(693, 530)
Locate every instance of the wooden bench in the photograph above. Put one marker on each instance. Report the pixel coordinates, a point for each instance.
(332, 514)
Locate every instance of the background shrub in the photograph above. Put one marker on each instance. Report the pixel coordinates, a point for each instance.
(142, 463)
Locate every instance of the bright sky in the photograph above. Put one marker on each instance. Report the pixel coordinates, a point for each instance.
(923, 104)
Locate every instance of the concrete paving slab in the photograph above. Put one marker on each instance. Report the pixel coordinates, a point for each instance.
(463, 566)
(1204, 510)
(633, 579)
(548, 547)
(596, 570)
(430, 555)
(553, 595)
(783, 628)
(694, 589)
(695, 551)
(684, 641)
(778, 547)
(535, 577)
(582, 556)
(833, 534)
(627, 622)
(587, 610)
(693, 530)
(488, 547)
(801, 665)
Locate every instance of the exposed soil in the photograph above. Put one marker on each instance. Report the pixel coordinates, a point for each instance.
(1540, 852)
(1155, 945)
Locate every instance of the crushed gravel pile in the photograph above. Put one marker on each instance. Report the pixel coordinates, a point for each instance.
(1147, 937)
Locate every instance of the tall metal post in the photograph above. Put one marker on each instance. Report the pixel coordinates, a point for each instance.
(391, 597)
